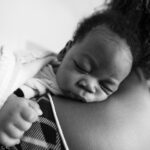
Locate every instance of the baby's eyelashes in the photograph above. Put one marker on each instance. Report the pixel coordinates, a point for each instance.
(82, 68)
(106, 88)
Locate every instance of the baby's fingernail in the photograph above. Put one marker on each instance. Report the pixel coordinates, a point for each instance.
(40, 112)
(18, 142)
(38, 119)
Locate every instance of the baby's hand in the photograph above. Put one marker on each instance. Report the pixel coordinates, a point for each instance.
(16, 117)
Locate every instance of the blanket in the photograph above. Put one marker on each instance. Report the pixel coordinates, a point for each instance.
(15, 70)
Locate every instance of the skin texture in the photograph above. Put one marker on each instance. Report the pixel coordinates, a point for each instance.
(16, 117)
(120, 123)
(93, 68)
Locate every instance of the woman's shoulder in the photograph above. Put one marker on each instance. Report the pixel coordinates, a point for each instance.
(143, 77)
(111, 124)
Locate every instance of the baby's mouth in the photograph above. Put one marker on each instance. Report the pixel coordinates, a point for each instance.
(76, 96)
(71, 94)
(81, 95)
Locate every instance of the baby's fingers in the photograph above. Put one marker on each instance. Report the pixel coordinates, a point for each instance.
(22, 124)
(35, 107)
(7, 140)
(13, 131)
(29, 114)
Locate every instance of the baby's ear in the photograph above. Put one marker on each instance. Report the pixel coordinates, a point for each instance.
(63, 52)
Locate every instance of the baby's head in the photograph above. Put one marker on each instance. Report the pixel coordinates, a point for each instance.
(100, 57)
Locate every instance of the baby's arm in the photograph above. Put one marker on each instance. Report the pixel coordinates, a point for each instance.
(16, 117)
(42, 80)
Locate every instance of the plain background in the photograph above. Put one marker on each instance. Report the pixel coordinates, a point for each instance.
(48, 23)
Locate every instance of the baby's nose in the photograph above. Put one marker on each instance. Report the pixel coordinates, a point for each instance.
(87, 85)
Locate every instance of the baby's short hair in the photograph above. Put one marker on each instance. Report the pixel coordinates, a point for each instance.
(116, 22)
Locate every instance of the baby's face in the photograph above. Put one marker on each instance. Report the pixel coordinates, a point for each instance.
(94, 68)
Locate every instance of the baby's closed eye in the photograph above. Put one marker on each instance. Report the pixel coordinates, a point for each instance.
(82, 67)
(108, 87)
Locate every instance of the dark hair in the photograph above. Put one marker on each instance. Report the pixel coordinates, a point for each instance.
(145, 34)
(117, 22)
(130, 19)
(138, 11)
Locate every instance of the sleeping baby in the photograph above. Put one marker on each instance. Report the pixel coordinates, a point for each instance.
(90, 68)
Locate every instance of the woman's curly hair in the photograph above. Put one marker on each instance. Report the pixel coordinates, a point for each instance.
(138, 12)
(145, 34)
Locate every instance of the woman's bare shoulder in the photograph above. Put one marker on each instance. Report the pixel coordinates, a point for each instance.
(121, 121)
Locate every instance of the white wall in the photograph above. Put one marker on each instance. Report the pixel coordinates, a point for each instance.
(49, 23)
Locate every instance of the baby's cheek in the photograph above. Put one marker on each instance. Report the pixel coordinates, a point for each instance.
(72, 76)
(66, 80)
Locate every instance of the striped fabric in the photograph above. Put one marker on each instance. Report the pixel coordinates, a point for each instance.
(46, 134)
